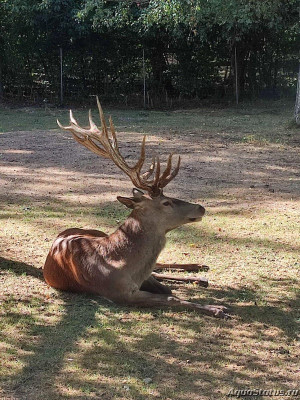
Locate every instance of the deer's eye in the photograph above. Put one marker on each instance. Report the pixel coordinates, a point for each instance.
(166, 203)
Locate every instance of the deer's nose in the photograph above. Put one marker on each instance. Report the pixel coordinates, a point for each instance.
(202, 210)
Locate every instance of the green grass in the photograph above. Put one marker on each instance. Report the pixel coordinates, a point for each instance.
(66, 346)
(260, 123)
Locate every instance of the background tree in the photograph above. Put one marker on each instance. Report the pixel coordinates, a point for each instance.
(190, 48)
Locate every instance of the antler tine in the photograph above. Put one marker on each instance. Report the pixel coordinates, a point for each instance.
(155, 189)
(165, 181)
(72, 119)
(93, 126)
(157, 173)
(74, 128)
(84, 136)
(102, 119)
(168, 168)
(148, 173)
(108, 148)
(113, 134)
(138, 166)
(154, 185)
(60, 125)
(89, 144)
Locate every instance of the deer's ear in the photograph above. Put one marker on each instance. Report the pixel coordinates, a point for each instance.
(137, 194)
(127, 201)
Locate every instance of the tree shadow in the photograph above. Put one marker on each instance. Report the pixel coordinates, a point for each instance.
(87, 343)
(56, 155)
(119, 346)
(285, 317)
(55, 342)
(20, 268)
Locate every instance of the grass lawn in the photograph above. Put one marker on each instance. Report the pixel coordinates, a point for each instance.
(242, 164)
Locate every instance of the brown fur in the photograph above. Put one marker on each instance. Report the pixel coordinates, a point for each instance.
(119, 266)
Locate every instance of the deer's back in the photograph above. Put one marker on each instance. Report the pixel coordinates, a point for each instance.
(73, 261)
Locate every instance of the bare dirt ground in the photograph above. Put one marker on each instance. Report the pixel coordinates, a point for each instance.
(44, 165)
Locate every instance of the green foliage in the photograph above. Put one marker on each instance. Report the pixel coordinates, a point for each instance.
(189, 47)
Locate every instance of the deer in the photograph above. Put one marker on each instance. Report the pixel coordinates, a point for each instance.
(120, 267)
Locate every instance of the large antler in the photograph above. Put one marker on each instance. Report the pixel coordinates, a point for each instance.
(90, 137)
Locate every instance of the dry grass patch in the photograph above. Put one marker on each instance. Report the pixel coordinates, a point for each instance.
(67, 346)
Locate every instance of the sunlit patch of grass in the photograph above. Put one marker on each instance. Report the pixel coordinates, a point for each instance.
(253, 269)
(69, 346)
(255, 140)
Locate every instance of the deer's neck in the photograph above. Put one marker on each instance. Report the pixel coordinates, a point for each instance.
(139, 241)
(143, 234)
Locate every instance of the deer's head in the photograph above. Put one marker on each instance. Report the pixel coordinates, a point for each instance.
(163, 211)
(168, 212)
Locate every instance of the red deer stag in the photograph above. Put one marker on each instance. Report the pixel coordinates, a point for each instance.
(119, 266)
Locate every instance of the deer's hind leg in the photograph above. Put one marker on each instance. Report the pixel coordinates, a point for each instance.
(141, 298)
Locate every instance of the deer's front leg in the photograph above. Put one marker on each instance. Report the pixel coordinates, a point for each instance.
(184, 267)
(190, 279)
(201, 281)
(153, 286)
(145, 299)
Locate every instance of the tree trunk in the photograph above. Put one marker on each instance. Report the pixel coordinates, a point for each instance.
(1, 85)
(297, 103)
(158, 66)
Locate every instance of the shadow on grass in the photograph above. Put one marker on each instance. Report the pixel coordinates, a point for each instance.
(19, 268)
(96, 350)
(285, 317)
(57, 157)
(245, 304)
(112, 214)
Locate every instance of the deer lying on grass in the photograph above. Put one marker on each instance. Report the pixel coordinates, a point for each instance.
(119, 266)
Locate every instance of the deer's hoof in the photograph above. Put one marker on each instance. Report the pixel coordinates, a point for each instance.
(221, 312)
(202, 282)
(203, 268)
(198, 267)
